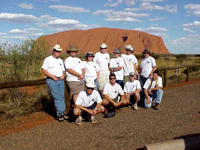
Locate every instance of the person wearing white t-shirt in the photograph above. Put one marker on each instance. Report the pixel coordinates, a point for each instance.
(130, 62)
(88, 104)
(53, 68)
(153, 91)
(132, 90)
(111, 92)
(103, 60)
(74, 73)
(116, 66)
(91, 68)
(148, 66)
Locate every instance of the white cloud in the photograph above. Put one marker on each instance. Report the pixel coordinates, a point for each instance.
(24, 31)
(47, 18)
(188, 30)
(65, 8)
(149, 6)
(127, 2)
(151, 0)
(120, 15)
(18, 18)
(195, 9)
(195, 24)
(2, 33)
(26, 6)
(151, 29)
(156, 19)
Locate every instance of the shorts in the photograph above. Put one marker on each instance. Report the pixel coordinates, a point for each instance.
(103, 78)
(75, 86)
(84, 113)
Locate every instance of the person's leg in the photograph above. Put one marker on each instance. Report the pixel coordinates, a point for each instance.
(136, 98)
(62, 96)
(126, 78)
(103, 78)
(77, 113)
(121, 83)
(142, 82)
(95, 82)
(157, 95)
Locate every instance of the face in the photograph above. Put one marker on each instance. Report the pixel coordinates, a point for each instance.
(146, 55)
(116, 55)
(90, 58)
(155, 76)
(72, 54)
(56, 54)
(103, 50)
(112, 79)
(128, 51)
(89, 90)
(132, 78)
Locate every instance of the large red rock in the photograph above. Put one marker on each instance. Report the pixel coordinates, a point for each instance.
(90, 40)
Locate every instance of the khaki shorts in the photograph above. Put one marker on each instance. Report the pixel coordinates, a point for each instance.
(103, 78)
(75, 86)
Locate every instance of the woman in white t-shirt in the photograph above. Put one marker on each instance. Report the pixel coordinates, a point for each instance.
(92, 70)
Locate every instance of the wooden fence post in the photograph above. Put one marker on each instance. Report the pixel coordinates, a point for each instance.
(187, 77)
(165, 77)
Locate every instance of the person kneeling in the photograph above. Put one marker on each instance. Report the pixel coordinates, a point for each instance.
(88, 104)
(153, 91)
(111, 100)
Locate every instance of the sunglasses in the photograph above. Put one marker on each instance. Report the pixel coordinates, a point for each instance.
(112, 78)
(90, 88)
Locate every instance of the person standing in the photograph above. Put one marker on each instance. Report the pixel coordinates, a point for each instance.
(116, 66)
(53, 68)
(148, 66)
(92, 70)
(103, 60)
(74, 72)
(130, 62)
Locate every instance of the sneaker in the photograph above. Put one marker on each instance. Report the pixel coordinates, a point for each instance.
(135, 107)
(153, 104)
(110, 114)
(93, 119)
(65, 116)
(60, 117)
(157, 106)
(78, 120)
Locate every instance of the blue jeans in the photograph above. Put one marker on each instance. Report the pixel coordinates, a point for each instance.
(95, 82)
(142, 81)
(57, 92)
(156, 97)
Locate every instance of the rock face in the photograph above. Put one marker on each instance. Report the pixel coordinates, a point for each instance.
(90, 40)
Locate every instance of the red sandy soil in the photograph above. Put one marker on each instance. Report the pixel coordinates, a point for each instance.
(90, 40)
(19, 124)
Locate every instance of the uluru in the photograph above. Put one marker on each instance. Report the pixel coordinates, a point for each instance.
(90, 40)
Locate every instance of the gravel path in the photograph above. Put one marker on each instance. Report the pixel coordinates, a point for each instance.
(179, 116)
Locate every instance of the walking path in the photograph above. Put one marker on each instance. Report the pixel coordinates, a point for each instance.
(178, 117)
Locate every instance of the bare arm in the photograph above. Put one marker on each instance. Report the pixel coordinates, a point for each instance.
(98, 73)
(71, 71)
(154, 69)
(110, 100)
(90, 111)
(133, 92)
(147, 96)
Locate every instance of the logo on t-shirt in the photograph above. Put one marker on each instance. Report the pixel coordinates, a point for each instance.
(94, 66)
(60, 64)
(129, 59)
(115, 91)
(79, 62)
(106, 57)
(93, 99)
(148, 62)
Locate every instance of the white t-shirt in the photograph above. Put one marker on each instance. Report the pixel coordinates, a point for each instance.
(117, 62)
(54, 66)
(147, 65)
(112, 91)
(91, 69)
(131, 86)
(87, 100)
(75, 64)
(152, 84)
(129, 62)
(102, 60)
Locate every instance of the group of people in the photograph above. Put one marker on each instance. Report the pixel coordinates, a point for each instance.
(100, 84)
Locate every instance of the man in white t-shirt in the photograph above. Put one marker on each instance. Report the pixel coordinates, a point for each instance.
(130, 62)
(103, 60)
(88, 104)
(75, 73)
(53, 68)
(132, 90)
(153, 91)
(116, 66)
(111, 92)
(148, 66)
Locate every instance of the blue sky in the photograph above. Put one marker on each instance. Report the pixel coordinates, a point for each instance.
(176, 21)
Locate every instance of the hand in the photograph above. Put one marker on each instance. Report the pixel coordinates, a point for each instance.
(81, 76)
(92, 112)
(148, 100)
(97, 79)
(55, 78)
(116, 104)
(150, 76)
(150, 91)
(62, 77)
(127, 96)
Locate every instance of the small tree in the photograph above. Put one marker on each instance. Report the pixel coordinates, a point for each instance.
(21, 62)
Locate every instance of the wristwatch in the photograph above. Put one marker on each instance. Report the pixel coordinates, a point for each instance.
(96, 108)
